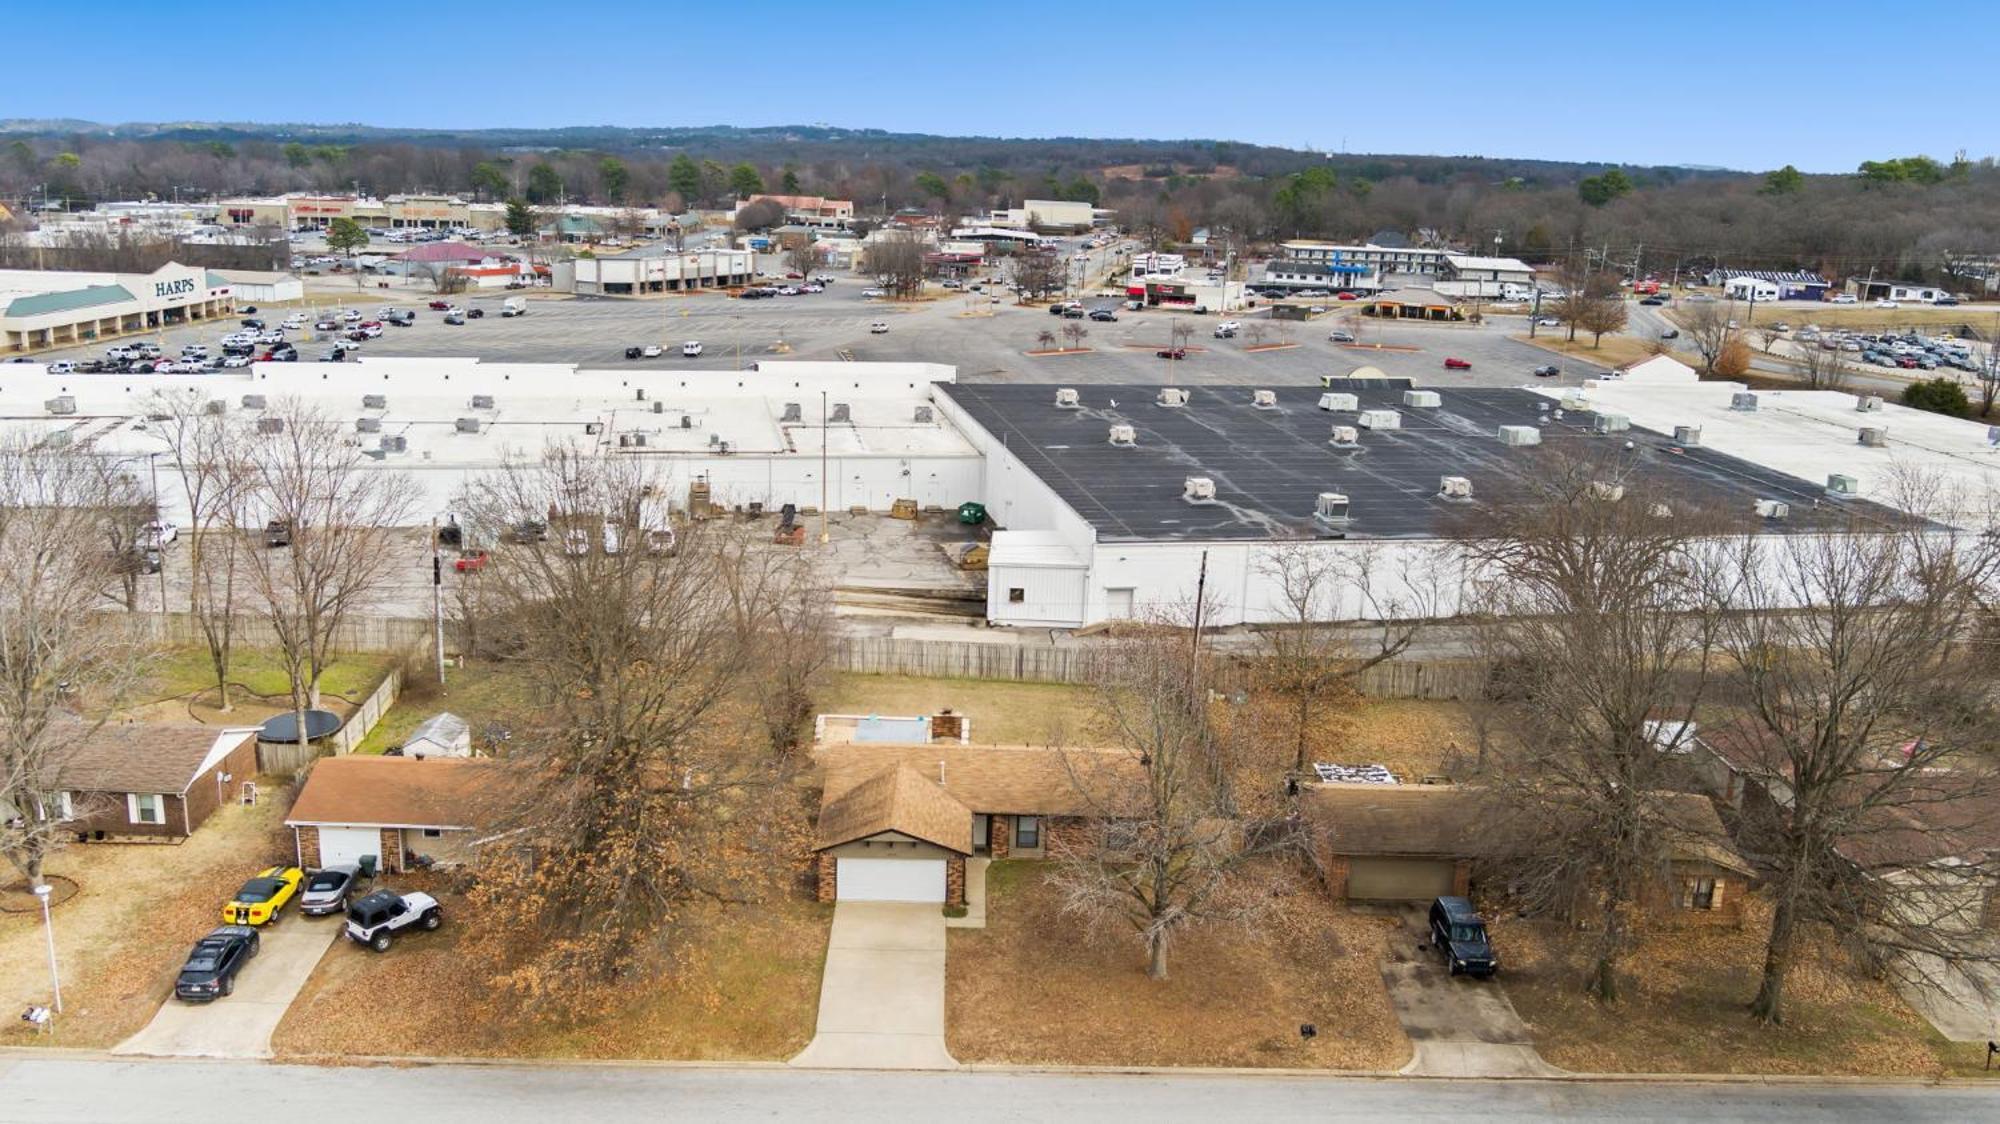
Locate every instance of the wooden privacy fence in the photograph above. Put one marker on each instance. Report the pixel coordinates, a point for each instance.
(356, 634)
(287, 758)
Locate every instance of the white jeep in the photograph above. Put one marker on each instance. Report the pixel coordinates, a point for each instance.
(376, 919)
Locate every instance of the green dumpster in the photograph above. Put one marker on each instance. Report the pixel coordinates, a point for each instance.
(971, 513)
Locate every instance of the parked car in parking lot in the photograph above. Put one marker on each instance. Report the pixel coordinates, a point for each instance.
(209, 972)
(1172, 353)
(1547, 371)
(470, 561)
(376, 919)
(632, 353)
(327, 889)
(879, 327)
(1456, 364)
(1103, 315)
(158, 534)
(1342, 336)
(690, 349)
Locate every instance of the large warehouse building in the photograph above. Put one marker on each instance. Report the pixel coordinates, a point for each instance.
(60, 308)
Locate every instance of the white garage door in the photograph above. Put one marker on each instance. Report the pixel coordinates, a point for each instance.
(347, 845)
(890, 880)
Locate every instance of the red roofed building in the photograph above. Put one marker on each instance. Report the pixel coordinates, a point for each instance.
(810, 210)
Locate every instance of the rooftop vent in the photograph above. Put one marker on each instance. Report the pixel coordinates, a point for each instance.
(1422, 399)
(1345, 437)
(1330, 507)
(1773, 509)
(1264, 399)
(60, 439)
(1576, 400)
(1518, 435)
(1379, 419)
(1335, 400)
(468, 425)
(1124, 436)
(1873, 436)
(395, 444)
(1607, 491)
(64, 404)
(367, 425)
(792, 413)
(1743, 401)
(687, 421)
(1868, 403)
(1841, 486)
(641, 395)
(253, 401)
(215, 406)
(841, 413)
(1687, 435)
(374, 401)
(1172, 396)
(714, 439)
(1455, 487)
(659, 407)
(1610, 423)
(631, 440)
(592, 429)
(1066, 398)
(1199, 489)
(482, 401)
(270, 425)
(924, 415)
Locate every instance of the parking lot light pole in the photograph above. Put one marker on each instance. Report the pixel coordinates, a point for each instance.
(159, 540)
(42, 892)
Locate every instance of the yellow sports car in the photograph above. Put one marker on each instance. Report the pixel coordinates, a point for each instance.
(260, 899)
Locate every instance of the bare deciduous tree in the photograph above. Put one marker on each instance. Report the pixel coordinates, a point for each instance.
(1707, 327)
(897, 261)
(205, 450)
(1035, 274)
(1045, 338)
(1823, 368)
(1074, 333)
(806, 258)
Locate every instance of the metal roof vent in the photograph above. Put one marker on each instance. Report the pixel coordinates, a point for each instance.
(1379, 419)
(1124, 436)
(1610, 423)
(791, 413)
(631, 440)
(1873, 436)
(1868, 403)
(1841, 486)
(1520, 435)
(1330, 507)
(1422, 399)
(1743, 402)
(840, 413)
(1773, 509)
(1607, 491)
(270, 425)
(482, 401)
(1338, 401)
(1066, 398)
(1576, 400)
(1345, 437)
(215, 406)
(367, 425)
(687, 421)
(395, 444)
(659, 407)
(1455, 487)
(63, 404)
(1264, 399)
(714, 439)
(374, 401)
(1199, 489)
(1687, 435)
(1172, 396)
(467, 425)
(253, 401)
(924, 415)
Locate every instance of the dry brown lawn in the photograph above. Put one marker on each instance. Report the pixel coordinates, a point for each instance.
(1415, 738)
(1003, 712)
(755, 996)
(1030, 989)
(138, 909)
(1686, 1008)
(1617, 350)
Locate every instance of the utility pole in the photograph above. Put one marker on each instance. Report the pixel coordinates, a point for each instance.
(1535, 317)
(1200, 600)
(824, 537)
(437, 598)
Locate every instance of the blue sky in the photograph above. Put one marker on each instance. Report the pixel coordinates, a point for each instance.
(1682, 82)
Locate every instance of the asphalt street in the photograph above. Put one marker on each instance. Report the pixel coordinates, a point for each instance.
(43, 1088)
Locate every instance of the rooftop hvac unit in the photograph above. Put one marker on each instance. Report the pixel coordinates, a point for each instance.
(1172, 396)
(631, 440)
(1841, 486)
(924, 415)
(592, 429)
(374, 401)
(396, 444)
(687, 421)
(1455, 487)
(482, 401)
(659, 407)
(1330, 507)
(468, 425)
(1993, 435)
(1688, 435)
(1379, 419)
(1518, 435)
(1066, 398)
(1422, 399)
(60, 439)
(714, 439)
(1576, 400)
(1337, 401)
(1743, 401)
(270, 425)
(840, 413)
(253, 401)
(1773, 509)
(367, 425)
(1610, 423)
(1264, 399)
(65, 404)
(1124, 435)
(1607, 491)
(1868, 403)
(791, 413)
(1873, 436)
(641, 396)
(1199, 489)
(215, 406)
(1345, 437)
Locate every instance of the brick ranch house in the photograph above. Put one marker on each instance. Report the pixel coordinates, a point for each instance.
(897, 822)
(1412, 843)
(153, 782)
(392, 808)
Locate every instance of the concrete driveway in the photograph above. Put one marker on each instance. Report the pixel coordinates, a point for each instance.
(881, 998)
(1459, 1026)
(240, 1025)
(1961, 1000)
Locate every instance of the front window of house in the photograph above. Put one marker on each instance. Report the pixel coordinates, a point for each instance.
(1698, 893)
(148, 808)
(1027, 832)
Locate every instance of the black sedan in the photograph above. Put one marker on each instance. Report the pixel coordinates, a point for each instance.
(210, 971)
(1547, 371)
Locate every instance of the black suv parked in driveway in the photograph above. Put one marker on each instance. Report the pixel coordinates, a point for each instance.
(1458, 933)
